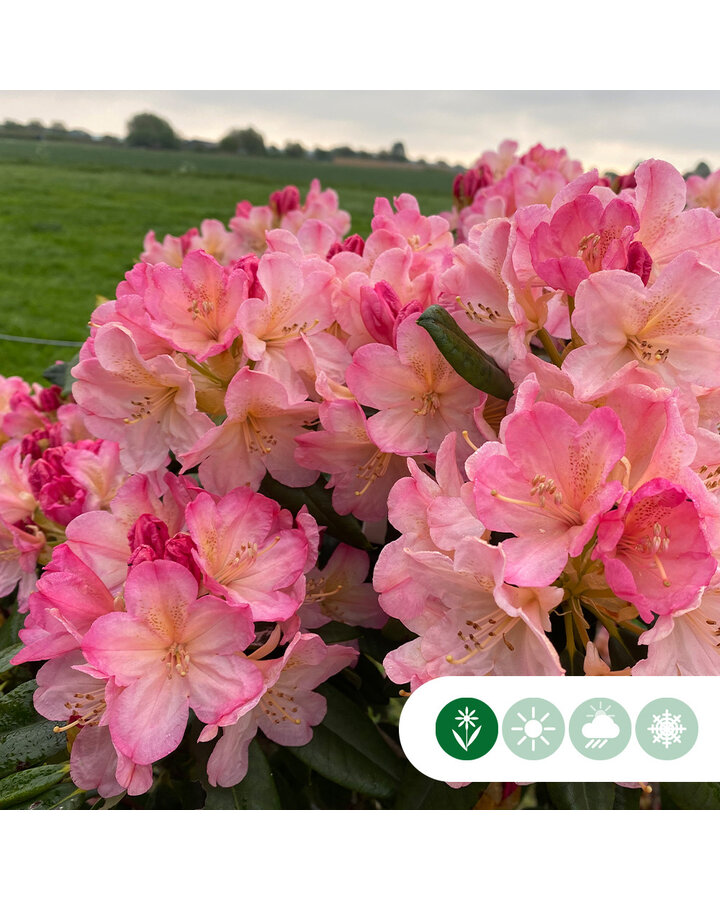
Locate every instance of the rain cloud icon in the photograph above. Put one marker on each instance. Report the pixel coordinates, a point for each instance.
(601, 730)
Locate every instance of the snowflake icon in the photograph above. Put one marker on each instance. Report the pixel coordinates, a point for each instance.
(667, 729)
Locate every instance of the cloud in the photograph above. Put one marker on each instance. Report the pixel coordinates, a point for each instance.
(607, 129)
(602, 726)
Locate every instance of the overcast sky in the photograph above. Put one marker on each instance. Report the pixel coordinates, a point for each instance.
(607, 129)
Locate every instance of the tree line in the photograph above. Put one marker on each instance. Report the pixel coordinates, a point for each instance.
(151, 131)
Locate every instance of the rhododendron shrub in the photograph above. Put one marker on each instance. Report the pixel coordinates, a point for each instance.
(296, 473)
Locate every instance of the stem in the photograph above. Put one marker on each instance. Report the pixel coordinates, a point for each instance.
(576, 341)
(203, 370)
(550, 348)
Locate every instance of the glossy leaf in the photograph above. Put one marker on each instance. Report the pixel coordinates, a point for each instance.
(582, 794)
(349, 749)
(22, 786)
(318, 501)
(469, 361)
(691, 794)
(417, 791)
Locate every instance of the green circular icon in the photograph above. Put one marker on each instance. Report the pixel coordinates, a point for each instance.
(666, 728)
(600, 728)
(533, 728)
(466, 728)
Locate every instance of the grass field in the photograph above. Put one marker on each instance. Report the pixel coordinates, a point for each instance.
(73, 217)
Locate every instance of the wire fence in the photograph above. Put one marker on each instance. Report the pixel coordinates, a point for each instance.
(51, 342)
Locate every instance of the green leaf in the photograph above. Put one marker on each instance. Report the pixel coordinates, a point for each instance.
(256, 791)
(28, 746)
(318, 501)
(417, 791)
(348, 749)
(16, 708)
(582, 794)
(10, 628)
(62, 796)
(469, 361)
(691, 794)
(30, 783)
(337, 632)
(25, 737)
(59, 374)
(7, 654)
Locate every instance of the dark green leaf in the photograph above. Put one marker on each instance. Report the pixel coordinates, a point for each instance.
(31, 783)
(256, 791)
(59, 374)
(464, 355)
(10, 628)
(417, 791)
(7, 654)
(28, 746)
(582, 794)
(25, 737)
(62, 796)
(318, 500)
(349, 722)
(349, 749)
(691, 794)
(16, 708)
(336, 632)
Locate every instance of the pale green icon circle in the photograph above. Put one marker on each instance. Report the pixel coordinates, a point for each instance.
(533, 728)
(600, 728)
(666, 728)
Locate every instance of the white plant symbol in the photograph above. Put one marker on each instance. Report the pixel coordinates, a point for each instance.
(468, 719)
(667, 729)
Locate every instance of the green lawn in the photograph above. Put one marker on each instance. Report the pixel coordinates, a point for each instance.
(73, 217)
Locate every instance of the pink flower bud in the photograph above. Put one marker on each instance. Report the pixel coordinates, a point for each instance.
(352, 244)
(62, 499)
(179, 549)
(150, 531)
(49, 399)
(379, 306)
(285, 201)
(639, 261)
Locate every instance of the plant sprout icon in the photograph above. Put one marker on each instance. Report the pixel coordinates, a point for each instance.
(601, 729)
(468, 719)
(533, 729)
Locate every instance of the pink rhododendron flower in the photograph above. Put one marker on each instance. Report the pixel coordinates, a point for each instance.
(671, 326)
(258, 436)
(286, 710)
(67, 692)
(146, 406)
(362, 474)
(248, 554)
(653, 549)
(584, 237)
(685, 641)
(194, 308)
(171, 651)
(704, 193)
(338, 592)
(420, 396)
(547, 484)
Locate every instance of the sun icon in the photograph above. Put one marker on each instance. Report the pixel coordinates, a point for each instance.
(533, 728)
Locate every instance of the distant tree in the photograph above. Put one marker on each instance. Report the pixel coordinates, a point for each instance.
(58, 126)
(344, 152)
(149, 130)
(295, 150)
(397, 151)
(323, 155)
(244, 140)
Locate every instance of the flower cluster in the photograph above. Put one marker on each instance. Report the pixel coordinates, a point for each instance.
(559, 494)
